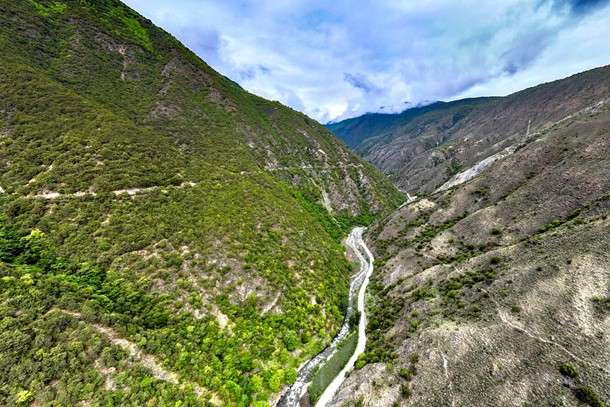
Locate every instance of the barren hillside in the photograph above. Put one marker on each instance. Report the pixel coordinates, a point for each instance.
(496, 291)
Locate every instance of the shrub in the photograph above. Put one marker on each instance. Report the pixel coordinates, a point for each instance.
(482, 191)
(24, 397)
(569, 370)
(587, 394)
(575, 213)
(354, 319)
(496, 231)
(361, 361)
(516, 308)
(405, 391)
(405, 374)
(414, 326)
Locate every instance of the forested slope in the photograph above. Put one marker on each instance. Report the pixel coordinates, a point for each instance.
(195, 221)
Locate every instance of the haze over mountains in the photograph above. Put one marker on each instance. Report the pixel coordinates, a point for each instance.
(167, 238)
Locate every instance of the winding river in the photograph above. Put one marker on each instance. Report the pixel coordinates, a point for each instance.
(292, 395)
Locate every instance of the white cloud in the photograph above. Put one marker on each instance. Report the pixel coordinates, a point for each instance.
(339, 59)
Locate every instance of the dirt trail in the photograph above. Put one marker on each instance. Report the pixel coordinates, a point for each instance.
(147, 360)
(130, 191)
(448, 376)
(270, 306)
(133, 191)
(505, 318)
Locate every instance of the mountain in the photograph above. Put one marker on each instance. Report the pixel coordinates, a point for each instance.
(166, 237)
(356, 130)
(422, 148)
(493, 290)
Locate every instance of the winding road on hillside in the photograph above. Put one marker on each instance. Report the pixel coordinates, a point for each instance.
(292, 395)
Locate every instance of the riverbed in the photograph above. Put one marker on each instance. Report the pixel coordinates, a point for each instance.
(358, 285)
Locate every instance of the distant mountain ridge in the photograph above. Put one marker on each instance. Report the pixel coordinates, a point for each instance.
(356, 130)
(422, 148)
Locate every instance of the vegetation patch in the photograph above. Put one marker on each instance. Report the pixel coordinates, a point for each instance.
(461, 293)
(156, 198)
(588, 395)
(407, 375)
(49, 10)
(46, 349)
(329, 370)
(381, 318)
(569, 370)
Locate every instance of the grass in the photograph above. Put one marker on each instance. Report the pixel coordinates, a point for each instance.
(327, 373)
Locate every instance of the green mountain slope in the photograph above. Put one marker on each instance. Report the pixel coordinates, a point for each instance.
(362, 131)
(423, 148)
(494, 291)
(194, 227)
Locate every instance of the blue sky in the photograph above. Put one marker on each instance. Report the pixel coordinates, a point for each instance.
(338, 59)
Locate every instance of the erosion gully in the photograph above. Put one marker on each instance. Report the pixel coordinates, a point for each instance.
(292, 395)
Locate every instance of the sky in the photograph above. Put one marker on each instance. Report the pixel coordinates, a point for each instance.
(338, 59)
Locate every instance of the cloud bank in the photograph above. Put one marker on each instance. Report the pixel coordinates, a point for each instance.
(334, 60)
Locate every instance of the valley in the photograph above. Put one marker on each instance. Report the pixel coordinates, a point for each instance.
(356, 303)
(361, 250)
(488, 287)
(168, 238)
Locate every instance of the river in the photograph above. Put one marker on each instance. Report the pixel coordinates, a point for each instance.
(293, 394)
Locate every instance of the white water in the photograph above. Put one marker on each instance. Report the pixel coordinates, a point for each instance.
(357, 244)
